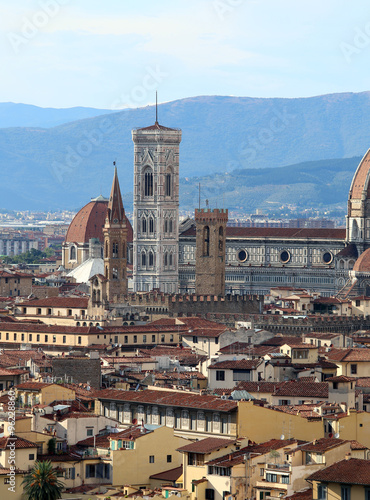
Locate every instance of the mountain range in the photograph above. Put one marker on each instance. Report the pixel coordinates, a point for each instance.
(246, 152)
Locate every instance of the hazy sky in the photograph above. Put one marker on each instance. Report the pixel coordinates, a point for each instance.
(115, 53)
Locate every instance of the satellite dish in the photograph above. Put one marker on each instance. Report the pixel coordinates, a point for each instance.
(336, 435)
(282, 437)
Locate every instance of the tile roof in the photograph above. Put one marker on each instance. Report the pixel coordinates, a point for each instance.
(68, 302)
(323, 444)
(264, 387)
(100, 442)
(239, 364)
(238, 457)
(32, 386)
(340, 378)
(207, 445)
(70, 415)
(352, 354)
(168, 398)
(363, 382)
(355, 445)
(351, 471)
(19, 442)
(362, 264)
(305, 389)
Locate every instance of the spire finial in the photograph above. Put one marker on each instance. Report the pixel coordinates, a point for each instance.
(115, 166)
(156, 106)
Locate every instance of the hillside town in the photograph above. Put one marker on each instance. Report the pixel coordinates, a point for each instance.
(159, 358)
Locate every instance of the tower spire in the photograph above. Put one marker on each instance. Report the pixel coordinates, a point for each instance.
(115, 212)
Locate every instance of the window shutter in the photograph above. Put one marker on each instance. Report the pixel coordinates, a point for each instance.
(73, 473)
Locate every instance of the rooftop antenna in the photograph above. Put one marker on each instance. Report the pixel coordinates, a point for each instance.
(156, 107)
(199, 196)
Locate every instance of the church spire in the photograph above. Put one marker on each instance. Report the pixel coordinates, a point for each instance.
(115, 212)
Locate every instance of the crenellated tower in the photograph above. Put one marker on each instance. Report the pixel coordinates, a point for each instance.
(210, 251)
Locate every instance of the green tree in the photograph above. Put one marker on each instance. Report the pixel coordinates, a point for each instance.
(41, 482)
(51, 446)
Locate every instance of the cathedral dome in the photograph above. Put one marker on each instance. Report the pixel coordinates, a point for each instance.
(360, 183)
(362, 264)
(88, 222)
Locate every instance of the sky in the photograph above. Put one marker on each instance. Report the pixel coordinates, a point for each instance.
(114, 54)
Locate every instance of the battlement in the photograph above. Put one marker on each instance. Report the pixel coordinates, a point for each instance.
(191, 304)
(211, 215)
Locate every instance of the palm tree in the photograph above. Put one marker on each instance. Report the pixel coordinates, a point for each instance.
(41, 482)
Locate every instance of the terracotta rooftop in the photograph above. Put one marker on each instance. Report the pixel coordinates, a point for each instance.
(264, 387)
(239, 364)
(238, 457)
(360, 182)
(348, 251)
(19, 442)
(207, 445)
(358, 355)
(322, 445)
(304, 389)
(362, 264)
(305, 494)
(351, 471)
(67, 302)
(170, 398)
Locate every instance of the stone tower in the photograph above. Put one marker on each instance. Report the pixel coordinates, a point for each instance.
(115, 245)
(156, 208)
(210, 251)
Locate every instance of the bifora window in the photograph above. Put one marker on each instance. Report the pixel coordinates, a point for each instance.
(168, 184)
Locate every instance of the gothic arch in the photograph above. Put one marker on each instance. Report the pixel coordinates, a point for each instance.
(148, 181)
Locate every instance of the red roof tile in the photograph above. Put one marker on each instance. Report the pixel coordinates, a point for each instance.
(168, 475)
(170, 398)
(352, 471)
(206, 445)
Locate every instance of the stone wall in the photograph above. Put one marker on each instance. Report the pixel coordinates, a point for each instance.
(80, 369)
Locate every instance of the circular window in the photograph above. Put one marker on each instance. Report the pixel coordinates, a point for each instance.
(327, 257)
(285, 256)
(242, 255)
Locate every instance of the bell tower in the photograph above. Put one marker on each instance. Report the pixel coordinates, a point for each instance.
(115, 244)
(210, 251)
(156, 208)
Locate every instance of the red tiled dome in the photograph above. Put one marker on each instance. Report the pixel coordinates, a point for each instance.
(360, 180)
(362, 264)
(89, 222)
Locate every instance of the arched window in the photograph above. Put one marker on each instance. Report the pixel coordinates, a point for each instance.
(168, 184)
(98, 296)
(106, 249)
(341, 264)
(170, 260)
(143, 259)
(72, 253)
(115, 250)
(221, 239)
(123, 251)
(151, 259)
(151, 225)
(115, 273)
(165, 259)
(206, 241)
(170, 228)
(148, 182)
(143, 225)
(166, 226)
(94, 296)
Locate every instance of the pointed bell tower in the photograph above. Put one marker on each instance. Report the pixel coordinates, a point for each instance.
(115, 244)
